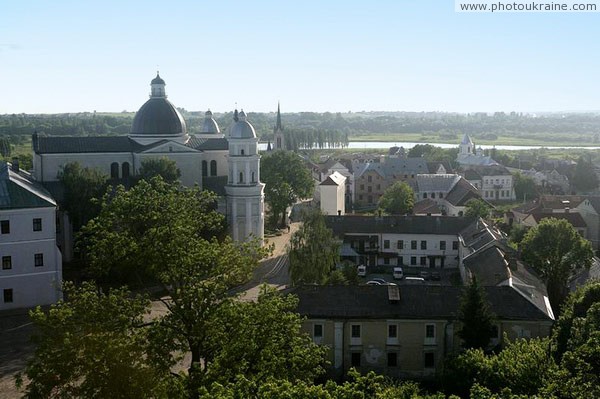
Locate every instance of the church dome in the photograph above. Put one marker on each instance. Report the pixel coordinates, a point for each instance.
(158, 117)
(242, 129)
(210, 125)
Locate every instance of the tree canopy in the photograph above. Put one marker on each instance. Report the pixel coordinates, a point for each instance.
(313, 250)
(584, 177)
(82, 186)
(398, 199)
(556, 251)
(286, 180)
(163, 167)
(476, 207)
(525, 189)
(476, 317)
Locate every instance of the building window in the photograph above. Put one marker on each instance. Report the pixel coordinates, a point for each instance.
(213, 168)
(6, 263)
(400, 260)
(413, 244)
(424, 195)
(370, 199)
(253, 177)
(38, 260)
(355, 359)
(386, 261)
(443, 245)
(386, 244)
(318, 331)
(423, 244)
(369, 179)
(125, 170)
(360, 197)
(369, 189)
(114, 170)
(400, 244)
(392, 359)
(204, 168)
(355, 331)
(5, 226)
(392, 331)
(430, 331)
(241, 177)
(8, 295)
(455, 245)
(432, 195)
(495, 331)
(378, 187)
(423, 261)
(362, 187)
(429, 360)
(242, 151)
(440, 195)
(413, 260)
(37, 224)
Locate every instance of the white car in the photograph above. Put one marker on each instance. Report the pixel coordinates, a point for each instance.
(361, 270)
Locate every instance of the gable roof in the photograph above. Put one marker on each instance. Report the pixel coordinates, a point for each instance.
(208, 144)
(18, 191)
(436, 183)
(334, 179)
(421, 301)
(426, 206)
(462, 192)
(572, 217)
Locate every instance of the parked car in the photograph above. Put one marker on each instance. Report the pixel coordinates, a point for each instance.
(361, 270)
(373, 282)
(424, 274)
(436, 276)
(414, 279)
(380, 280)
(398, 273)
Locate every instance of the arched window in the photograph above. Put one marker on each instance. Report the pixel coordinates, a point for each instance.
(125, 170)
(114, 170)
(242, 151)
(204, 168)
(253, 178)
(213, 168)
(241, 177)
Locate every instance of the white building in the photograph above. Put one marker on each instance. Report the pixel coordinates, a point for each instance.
(31, 271)
(332, 193)
(159, 130)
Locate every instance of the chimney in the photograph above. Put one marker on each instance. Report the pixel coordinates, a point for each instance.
(15, 165)
(393, 293)
(339, 212)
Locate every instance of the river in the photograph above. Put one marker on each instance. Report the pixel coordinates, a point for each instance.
(387, 144)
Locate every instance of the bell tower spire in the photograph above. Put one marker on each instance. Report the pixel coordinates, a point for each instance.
(278, 139)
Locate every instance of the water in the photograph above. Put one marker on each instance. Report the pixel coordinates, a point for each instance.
(387, 144)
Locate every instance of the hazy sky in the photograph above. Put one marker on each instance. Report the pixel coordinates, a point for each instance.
(326, 55)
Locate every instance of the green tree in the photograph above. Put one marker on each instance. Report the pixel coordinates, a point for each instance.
(174, 235)
(556, 251)
(584, 177)
(313, 250)
(163, 167)
(476, 207)
(96, 345)
(82, 186)
(475, 316)
(398, 199)
(525, 188)
(5, 147)
(286, 180)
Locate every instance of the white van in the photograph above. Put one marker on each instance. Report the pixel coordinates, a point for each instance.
(361, 270)
(414, 280)
(398, 273)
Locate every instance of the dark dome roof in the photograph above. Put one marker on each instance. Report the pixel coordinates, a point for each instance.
(157, 80)
(158, 116)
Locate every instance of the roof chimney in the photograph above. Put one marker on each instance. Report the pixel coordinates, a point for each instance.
(393, 293)
(15, 165)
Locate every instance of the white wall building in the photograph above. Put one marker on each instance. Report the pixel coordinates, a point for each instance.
(332, 193)
(31, 272)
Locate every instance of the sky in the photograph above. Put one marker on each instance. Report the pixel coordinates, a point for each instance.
(326, 55)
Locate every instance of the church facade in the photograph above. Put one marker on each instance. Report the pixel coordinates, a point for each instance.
(228, 164)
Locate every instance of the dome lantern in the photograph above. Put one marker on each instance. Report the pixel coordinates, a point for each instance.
(158, 87)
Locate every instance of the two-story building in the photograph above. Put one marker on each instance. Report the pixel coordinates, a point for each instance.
(31, 272)
(404, 331)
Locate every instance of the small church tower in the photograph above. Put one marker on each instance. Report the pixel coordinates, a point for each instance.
(245, 192)
(278, 141)
(466, 147)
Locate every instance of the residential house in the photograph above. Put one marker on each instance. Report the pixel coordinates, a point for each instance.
(333, 192)
(31, 271)
(451, 192)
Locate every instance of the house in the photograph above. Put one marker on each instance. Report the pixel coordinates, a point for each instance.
(31, 271)
(494, 182)
(404, 331)
(451, 192)
(332, 193)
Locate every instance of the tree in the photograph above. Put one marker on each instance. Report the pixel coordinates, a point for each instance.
(476, 207)
(556, 251)
(476, 317)
(174, 235)
(313, 250)
(5, 147)
(584, 177)
(96, 345)
(525, 188)
(398, 199)
(81, 187)
(163, 167)
(286, 180)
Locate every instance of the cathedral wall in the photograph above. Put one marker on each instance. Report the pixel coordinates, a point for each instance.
(50, 164)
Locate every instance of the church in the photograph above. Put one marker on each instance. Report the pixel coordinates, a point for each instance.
(228, 164)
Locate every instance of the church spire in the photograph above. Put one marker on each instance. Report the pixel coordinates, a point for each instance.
(278, 123)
